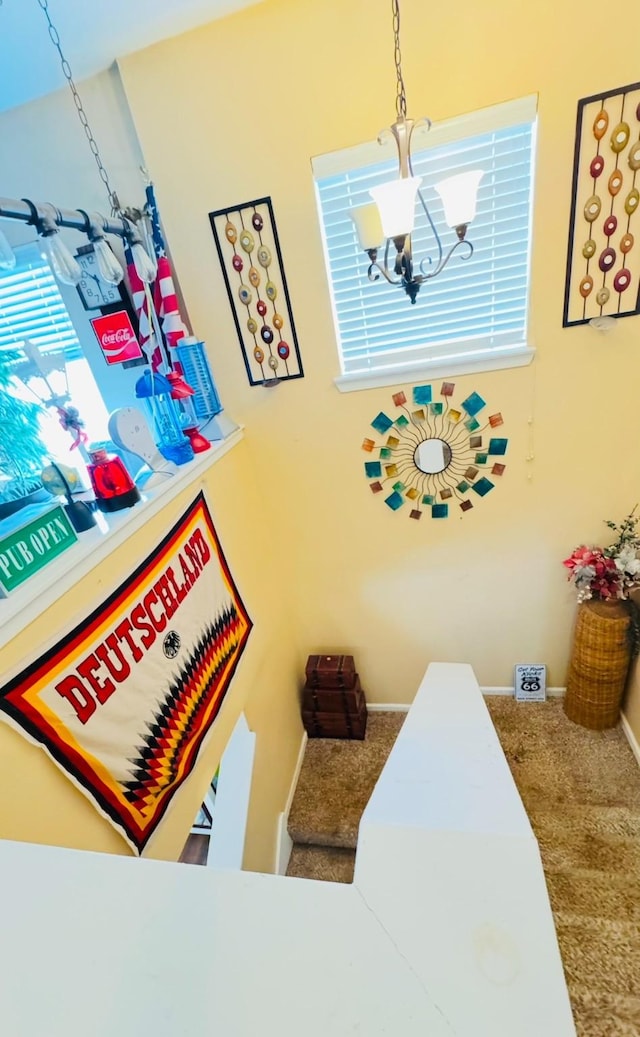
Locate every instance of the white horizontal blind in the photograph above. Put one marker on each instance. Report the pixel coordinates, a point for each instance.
(472, 306)
(32, 308)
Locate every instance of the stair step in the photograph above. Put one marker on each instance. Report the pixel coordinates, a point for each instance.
(589, 839)
(600, 953)
(336, 781)
(618, 821)
(324, 863)
(594, 894)
(599, 1013)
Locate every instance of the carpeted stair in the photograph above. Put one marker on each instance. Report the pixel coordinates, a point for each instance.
(336, 781)
(581, 790)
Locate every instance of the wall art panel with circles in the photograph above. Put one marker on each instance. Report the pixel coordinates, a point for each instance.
(603, 261)
(249, 252)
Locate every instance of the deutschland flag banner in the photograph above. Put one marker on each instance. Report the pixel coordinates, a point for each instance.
(124, 702)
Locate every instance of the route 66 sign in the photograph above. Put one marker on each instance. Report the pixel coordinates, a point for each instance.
(531, 682)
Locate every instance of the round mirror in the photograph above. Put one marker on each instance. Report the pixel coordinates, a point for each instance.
(432, 456)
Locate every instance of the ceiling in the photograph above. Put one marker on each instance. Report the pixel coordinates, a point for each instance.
(92, 33)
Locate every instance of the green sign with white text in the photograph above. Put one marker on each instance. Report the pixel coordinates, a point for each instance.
(27, 550)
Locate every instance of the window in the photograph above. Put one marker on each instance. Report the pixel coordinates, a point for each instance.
(475, 311)
(35, 308)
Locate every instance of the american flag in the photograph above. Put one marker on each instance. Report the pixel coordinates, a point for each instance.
(165, 299)
(161, 296)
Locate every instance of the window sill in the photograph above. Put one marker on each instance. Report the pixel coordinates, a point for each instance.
(31, 599)
(519, 356)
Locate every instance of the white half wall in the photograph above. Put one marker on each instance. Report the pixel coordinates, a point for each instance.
(226, 845)
(447, 821)
(446, 931)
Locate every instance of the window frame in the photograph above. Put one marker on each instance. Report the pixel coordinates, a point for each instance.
(486, 120)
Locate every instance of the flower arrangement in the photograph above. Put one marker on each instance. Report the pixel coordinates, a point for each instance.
(608, 573)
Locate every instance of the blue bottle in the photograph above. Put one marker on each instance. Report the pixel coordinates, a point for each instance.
(155, 392)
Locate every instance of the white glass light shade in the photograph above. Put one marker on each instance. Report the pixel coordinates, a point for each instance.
(396, 203)
(143, 263)
(64, 266)
(108, 265)
(368, 225)
(459, 195)
(7, 258)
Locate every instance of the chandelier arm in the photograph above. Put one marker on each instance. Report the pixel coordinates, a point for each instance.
(444, 260)
(377, 265)
(439, 263)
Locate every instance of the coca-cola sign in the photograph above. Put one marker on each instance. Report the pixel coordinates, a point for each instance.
(116, 337)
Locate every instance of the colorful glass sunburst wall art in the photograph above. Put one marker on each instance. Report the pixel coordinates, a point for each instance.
(433, 455)
(249, 251)
(603, 262)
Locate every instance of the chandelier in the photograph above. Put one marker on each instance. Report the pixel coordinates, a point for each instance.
(392, 213)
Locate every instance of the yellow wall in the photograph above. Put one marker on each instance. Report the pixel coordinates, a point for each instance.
(38, 804)
(250, 100)
(44, 155)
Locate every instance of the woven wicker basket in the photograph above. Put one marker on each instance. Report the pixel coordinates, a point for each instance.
(599, 664)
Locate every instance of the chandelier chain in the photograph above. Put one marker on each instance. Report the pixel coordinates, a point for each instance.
(82, 115)
(401, 100)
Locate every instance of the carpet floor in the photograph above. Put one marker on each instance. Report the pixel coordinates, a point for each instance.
(581, 790)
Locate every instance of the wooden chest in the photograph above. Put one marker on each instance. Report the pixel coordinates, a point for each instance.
(336, 725)
(333, 700)
(330, 671)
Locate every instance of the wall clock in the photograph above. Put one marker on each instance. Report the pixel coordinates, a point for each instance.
(92, 289)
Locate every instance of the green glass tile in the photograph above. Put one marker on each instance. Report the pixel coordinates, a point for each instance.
(394, 501)
(428, 498)
(463, 486)
(385, 453)
(421, 395)
(399, 487)
(436, 408)
(440, 511)
(381, 423)
(481, 459)
(472, 424)
(482, 486)
(473, 403)
(402, 421)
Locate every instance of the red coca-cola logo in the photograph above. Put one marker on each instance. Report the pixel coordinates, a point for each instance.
(110, 338)
(117, 339)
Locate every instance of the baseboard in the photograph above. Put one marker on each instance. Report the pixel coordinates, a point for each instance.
(631, 738)
(401, 707)
(552, 693)
(284, 844)
(388, 707)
